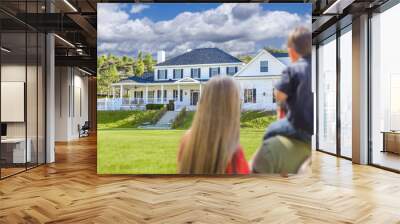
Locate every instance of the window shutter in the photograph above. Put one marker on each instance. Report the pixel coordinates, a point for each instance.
(166, 74)
(236, 69)
(158, 74)
(209, 72)
(254, 95)
(191, 73)
(174, 71)
(219, 71)
(227, 70)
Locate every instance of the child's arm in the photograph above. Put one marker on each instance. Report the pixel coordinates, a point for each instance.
(285, 87)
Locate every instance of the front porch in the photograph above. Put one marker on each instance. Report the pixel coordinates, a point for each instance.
(135, 96)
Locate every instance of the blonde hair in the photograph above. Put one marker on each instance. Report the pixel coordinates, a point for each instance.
(214, 135)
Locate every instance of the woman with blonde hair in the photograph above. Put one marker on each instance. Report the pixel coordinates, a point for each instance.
(211, 145)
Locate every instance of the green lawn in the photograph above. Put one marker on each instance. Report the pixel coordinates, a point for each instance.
(124, 149)
(135, 151)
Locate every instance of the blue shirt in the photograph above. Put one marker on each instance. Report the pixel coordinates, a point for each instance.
(296, 84)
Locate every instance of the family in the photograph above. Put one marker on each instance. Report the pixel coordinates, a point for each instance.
(211, 145)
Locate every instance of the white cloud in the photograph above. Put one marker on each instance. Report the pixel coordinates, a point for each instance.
(235, 28)
(137, 8)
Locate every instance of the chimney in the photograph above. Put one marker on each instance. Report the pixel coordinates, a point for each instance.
(160, 56)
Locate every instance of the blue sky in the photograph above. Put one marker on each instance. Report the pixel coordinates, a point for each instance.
(239, 29)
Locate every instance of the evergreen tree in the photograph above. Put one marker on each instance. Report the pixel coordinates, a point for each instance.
(246, 58)
(275, 50)
(148, 62)
(139, 65)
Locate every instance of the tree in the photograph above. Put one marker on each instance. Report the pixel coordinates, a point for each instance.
(139, 65)
(107, 73)
(140, 54)
(245, 58)
(148, 62)
(112, 75)
(275, 50)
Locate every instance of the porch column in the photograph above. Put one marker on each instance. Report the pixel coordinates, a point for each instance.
(179, 93)
(146, 94)
(121, 93)
(113, 92)
(200, 90)
(162, 93)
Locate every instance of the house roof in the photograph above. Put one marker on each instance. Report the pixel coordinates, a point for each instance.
(201, 56)
(145, 78)
(285, 60)
(280, 55)
(148, 77)
(255, 58)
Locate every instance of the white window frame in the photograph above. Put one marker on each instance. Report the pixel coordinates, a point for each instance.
(174, 73)
(261, 66)
(193, 75)
(249, 96)
(163, 74)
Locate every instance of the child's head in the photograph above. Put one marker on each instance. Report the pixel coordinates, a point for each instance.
(299, 43)
(214, 135)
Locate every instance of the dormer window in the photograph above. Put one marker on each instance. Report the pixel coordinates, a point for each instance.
(231, 70)
(195, 73)
(178, 73)
(162, 74)
(214, 71)
(263, 66)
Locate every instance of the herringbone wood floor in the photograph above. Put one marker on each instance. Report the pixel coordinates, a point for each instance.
(69, 191)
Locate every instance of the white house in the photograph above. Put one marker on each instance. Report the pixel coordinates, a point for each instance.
(181, 79)
(257, 80)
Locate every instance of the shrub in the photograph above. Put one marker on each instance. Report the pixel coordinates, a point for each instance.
(249, 119)
(124, 119)
(257, 119)
(179, 120)
(154, 106)
(159, 114)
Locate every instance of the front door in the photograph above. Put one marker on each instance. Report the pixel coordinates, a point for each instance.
(194, 97)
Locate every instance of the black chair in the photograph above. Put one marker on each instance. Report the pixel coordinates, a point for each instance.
(84, 130)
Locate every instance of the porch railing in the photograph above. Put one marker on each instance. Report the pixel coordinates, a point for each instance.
(131, 103)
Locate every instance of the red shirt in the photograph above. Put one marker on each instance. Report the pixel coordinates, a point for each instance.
(237, 165)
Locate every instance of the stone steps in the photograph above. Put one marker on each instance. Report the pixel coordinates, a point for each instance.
(165, 121)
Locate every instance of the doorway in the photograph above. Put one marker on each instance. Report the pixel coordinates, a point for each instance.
(194, 97)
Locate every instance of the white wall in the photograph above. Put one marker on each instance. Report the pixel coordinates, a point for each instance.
(204, 73)
(70, 83)
(262, 86)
